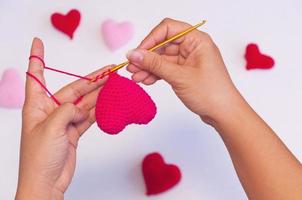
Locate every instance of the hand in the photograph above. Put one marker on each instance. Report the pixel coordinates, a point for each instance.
(50, 133)
(192, 65)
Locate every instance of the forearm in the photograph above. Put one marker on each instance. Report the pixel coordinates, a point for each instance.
(266, 168)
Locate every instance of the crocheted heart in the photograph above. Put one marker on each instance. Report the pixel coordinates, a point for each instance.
(11, 89)
(66, 23)
(116, 34)
(122, 102)
(256, 60)
(159, 176)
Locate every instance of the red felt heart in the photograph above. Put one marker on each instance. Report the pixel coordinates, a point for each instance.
(159, 176)
(121, 102)
(66, 23)
(256, 60)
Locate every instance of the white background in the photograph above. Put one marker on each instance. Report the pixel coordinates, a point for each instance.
(108, 167)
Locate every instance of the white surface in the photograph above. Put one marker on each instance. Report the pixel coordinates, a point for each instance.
(108, 166)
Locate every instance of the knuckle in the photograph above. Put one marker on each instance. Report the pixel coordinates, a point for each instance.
(170, 21)
(85, 106)
(206, 38)
(166, 20)
(69, 106)
(207, 41)
(91, 120)
(155, 63)
(76, 91)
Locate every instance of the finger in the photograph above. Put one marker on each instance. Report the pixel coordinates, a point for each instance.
(172, 59)
(89, 101)
(36, 68)
(166, 29)
(64, 115)
(132, 68)
(172, 50)
(79, 88)
(150, 80)
(140, 76)
(156, 64)
(168, 49)
(83, 126)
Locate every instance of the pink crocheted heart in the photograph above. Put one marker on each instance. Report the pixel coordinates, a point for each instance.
(116, 34)
(122, 102)
(11, 89)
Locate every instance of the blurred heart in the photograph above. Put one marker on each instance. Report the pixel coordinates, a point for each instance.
(257, 60)
(66, 23)
(122, 102)
(11, 89)
(159, 176)
(116, 34)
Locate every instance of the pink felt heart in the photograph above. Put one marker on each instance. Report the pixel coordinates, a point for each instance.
(66, 23)
(11, 89)
(116, 34)
(122, 102)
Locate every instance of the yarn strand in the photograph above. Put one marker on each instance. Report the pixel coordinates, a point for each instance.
(45, 88)
(62, 72)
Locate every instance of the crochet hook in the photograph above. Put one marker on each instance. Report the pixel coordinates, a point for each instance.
(175, 37)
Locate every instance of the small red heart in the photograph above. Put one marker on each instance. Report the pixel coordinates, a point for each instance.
(122, 102)
(256, 60)
(159, 176)
(66, 23)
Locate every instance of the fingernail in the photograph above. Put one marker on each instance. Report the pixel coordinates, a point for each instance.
(135, 56)
(36, 38)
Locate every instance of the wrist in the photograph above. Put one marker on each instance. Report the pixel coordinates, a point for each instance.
(226, 110)
(37, 191)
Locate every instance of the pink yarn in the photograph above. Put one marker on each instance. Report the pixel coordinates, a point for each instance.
(122, 102)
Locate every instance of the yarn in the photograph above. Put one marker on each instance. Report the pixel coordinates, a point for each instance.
(159, 176)
(122, 102)
(44, 87)
(66, 23)
(59, 71)
(256, 60)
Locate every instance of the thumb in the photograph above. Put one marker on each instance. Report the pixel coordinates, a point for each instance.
(155, 64)
(66, 114)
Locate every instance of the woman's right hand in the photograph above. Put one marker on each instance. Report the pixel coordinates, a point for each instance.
(192, 65)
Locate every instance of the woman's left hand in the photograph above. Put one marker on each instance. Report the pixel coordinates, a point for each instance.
(50, 133)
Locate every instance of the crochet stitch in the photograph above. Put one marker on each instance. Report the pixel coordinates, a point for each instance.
(122, 102)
